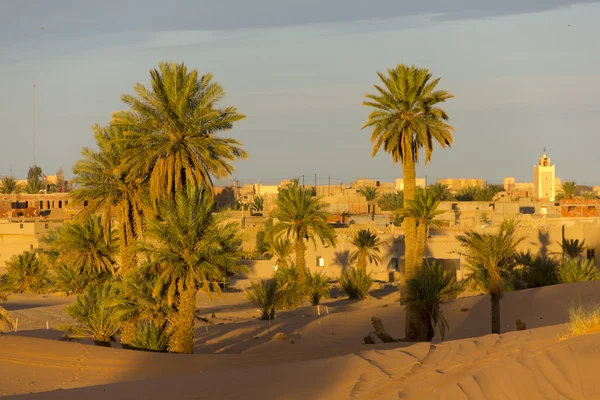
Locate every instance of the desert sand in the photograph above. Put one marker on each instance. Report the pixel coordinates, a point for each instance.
(323, 358)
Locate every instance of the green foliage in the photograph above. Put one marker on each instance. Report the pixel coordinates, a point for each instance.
(572, 248)
(267, 295)
(261, 243)
(578, 270)
(487, 193)
(293, 292)
(95, 313)
(355, 283)
(425, 291)
(281, 250)
(258, 203)
(423, 208)
(538, 271)
(172, 129)
(369, 192)
(568, 190)
(392, 201)
(367, 248)
(34, 172)
(8, 185)
(405, 110)
(33, 186)
(71, 280)
(317, 286)
(149, 337)
(440, 192)
(467, 193)
(26, 273)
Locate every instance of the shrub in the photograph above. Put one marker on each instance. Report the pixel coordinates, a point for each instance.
(317, 286)
(425, 291)
(149, 337)
(95, 313)
(355, 283)
(583, 320)
(540, 271)
(73, 281)
(576, 270)
(26, 273)
(292, 289)
(266, 295)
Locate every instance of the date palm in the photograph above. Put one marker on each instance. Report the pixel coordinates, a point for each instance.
(9, 185)
(34, 186)
(367, 249)
(491, 256)
(568, 190)
(172, 129)
(301, 217)
(392, 201)
(281, 249)
(187, 251)
(424, 209)
(104, 183)
(440, 191)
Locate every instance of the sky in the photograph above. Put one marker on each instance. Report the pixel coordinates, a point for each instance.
(524, 75)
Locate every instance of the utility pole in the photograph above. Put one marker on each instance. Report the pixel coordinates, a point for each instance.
(33, 118)
(302, 181)
(315, 184)
(329, 186)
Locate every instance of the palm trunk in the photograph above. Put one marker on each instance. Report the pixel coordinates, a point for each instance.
(300, 254)
(421, 242)
(183, 322)
(127, 238)
(361, 262)
(495, 298)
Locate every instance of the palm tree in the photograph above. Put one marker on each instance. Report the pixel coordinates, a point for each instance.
(367, 249)
(26, 273)
(423, 208)
(301, 217)
(440, 191)
(467, 193)
(10, 186)
(34, 172)
(370, 194)
(33, 186)
(568, 190)
(572, 248)
(83, 246)
(187, 252)
(105, 184)
(281, 249)
(257, 204)
(405, 120)
(425, 291)
(486, 194)
(490, 257)
(267, 295)
(172, 130)
(392, 201)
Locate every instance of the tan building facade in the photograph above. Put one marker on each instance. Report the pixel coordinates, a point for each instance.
(456, 184)
(544, 179)
(420, 182)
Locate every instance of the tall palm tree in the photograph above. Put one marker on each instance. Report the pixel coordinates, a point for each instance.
(172, 129)
(33, 186)
(8, 185)
(281, 249)
(490, 257)
(104, 182)
(301, 217)
(424, 209)
(82, 245)
(367, 249)
(187, 251)
(405, 120)
(568, 190)
(440, 191)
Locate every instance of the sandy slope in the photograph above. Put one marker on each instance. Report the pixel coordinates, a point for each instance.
(326, 359)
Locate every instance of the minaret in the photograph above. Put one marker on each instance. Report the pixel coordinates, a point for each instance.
(544, 186)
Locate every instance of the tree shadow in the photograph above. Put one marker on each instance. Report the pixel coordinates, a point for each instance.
(544, 242)
(342, 259)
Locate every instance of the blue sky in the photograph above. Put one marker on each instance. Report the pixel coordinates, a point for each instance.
(523, 78)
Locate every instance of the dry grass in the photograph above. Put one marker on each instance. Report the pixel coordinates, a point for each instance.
(583, 320)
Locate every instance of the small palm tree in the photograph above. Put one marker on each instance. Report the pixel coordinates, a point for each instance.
(355, 283)
(425, 291)
(424, 210)
(281, 250)
(33, 186)
(568, 190)
(8, 185)
(267, 295)
(26, 273)
(95, 313)
(572, 248)
(490, 257)
(258, 204)
(292, 287)
(172, 130)
(317, 286)
(486, 194)
(537, 271)
(367, 249)
(392, 201)
(302, 217)
(467, 193)
(440, 191)
(370, 194)
(578, 270)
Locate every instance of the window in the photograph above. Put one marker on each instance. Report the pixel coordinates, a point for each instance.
(60, 204)
(85, 203)
(21, 226)
(572, 208)
(591, 208)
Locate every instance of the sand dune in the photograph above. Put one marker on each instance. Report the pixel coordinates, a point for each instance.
(324, 357)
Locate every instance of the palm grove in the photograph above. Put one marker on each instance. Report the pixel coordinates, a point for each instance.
(153, 173)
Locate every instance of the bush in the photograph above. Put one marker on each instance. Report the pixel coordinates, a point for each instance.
(73, 281)
(149, 337)
(292, 289)
(26, 273)
(96, 314)
(540, 271)
(576, 270)
(317, 286)
(583, 320)
(425, 291)
(266, 295)
(355, 283)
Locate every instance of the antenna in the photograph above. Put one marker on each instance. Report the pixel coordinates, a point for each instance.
(33, 117)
